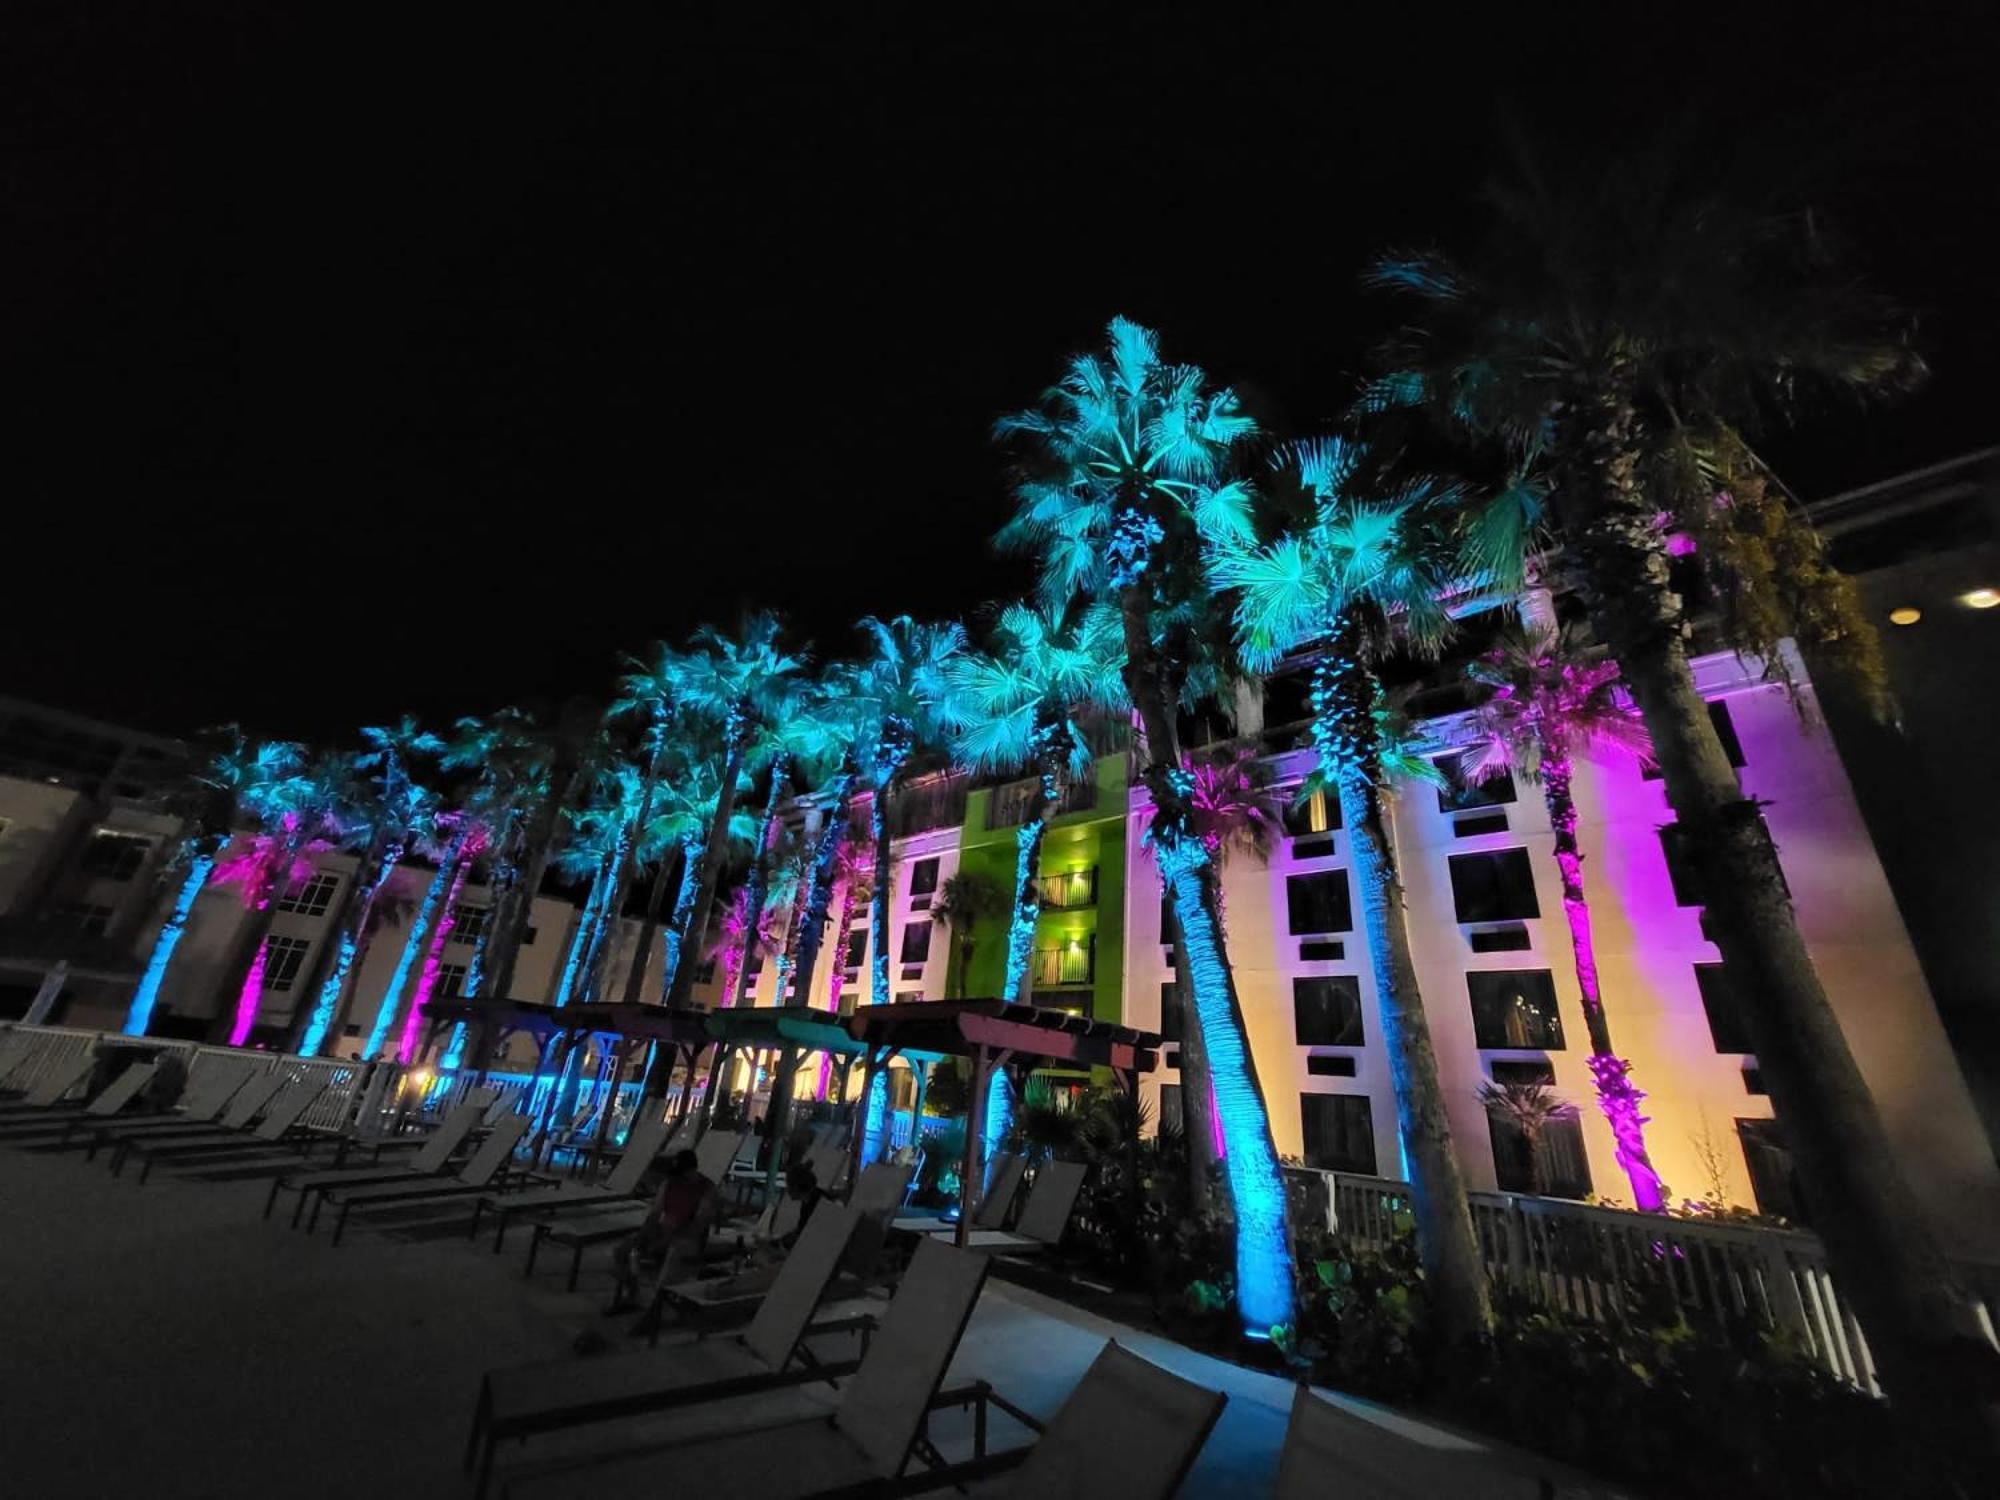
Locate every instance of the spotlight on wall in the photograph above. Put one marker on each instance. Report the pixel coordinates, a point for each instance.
(1905, 614)
(1980, 598)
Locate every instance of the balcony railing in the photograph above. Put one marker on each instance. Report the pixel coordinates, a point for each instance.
(1012, 804)
(1069, 890)
(1069, 963)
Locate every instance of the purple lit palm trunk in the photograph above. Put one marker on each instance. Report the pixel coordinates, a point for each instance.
(349, 947)
(1617, 1095)
(835, 974)
(251, 995)
(757, 886)
(819, 896)
(406, 1048)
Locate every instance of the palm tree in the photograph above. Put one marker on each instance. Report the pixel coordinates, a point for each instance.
(898, 691)
(960, 902)
(1017, 708)
(739, 683)
(383, 802)
(1353, 575)
(453, 838)
(841, 715)
(682, 813)
(1614, 331)
(1530, 1108)
(1124, 476)
(1551, 704)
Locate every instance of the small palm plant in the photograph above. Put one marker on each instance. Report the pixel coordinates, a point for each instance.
(960, 903)
(1530, 1108)
(1551, 703)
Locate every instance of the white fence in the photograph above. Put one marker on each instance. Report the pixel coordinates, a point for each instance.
(1598, 1262)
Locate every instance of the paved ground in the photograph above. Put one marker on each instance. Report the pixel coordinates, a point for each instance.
(165, 1341)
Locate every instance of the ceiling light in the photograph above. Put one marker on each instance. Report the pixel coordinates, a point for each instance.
(1905, 614)
(1981, 598)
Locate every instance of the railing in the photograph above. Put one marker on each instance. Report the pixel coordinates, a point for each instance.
(1065, 965)
(1598, 1263)
(1067, 890)
(1010, 804)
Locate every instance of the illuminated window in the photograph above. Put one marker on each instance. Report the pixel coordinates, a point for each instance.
(1069, 890)
(1495, 887)
(1067, 962)
(312, 897)
(115, 856)
(1326, 1011)
(1318, 813)
(1339, 1132)
(1515, 1008)
(283, 957)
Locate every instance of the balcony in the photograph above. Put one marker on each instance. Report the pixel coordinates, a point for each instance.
(1070, 890)
(1012, 804)
(1071, 962)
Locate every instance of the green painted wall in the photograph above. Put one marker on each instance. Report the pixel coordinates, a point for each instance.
(1076, 841)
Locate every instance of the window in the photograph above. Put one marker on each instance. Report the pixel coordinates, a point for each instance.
(1479, 823)
(1564, 1170)
(1326, 1011)
(86, 917)
(1507, 1070)
(1509, 939)
(1167, 918)
(283, 957)
(1318, 903)
(1495, 887)
(115, 856)
(1774, 1181)
(1319, 812)
(450, 981)
(1068, 890)
(1068, 962)
(1330, 1065)
(312, 897)
(1339, 1132)
(1725, 730)
(1680, 866)
(1323, 951)
(704, 972)
(917, 943)
(857, 948)
(1515, 1008)
(1725, 1012)
(470, 923)
(1170, 1012)
(1459, 795)
(528, 936)
(923, 883)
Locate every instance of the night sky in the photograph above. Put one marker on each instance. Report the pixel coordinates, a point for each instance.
(360, 363)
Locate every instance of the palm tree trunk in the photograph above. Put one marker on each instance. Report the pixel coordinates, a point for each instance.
(819, 891)
(346, 949)
(1617, 1095)
(587, 923)
(1344, 732)
(201, 863)
(510, 924)
(406, 1047)
(608, 911)
(420, 926)
(1264, 1270)
(1198, 1123)
(708, 870)
(757, 884)
(671, 864)
(675, 942)
(1922, 1331)
(889, 763)
(1028, 841)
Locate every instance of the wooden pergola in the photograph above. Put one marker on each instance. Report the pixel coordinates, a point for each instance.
(993, 1034)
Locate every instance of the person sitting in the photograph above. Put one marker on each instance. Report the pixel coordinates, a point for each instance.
(802, 1187)
(672, 1233)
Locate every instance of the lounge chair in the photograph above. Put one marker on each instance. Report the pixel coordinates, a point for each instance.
(870, 1436)
(992, 1210)
(245, 1104)
(433, 1159)
(1328, 1450)
(280, 1122)
(642, 1148)
(201, 1106)
(58, 1119)
(528, 1399)
(614, 1221)
(1044, 1217)
(488, 1162)
(50, 1088)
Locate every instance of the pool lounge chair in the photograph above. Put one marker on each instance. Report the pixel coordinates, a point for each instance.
(520, 1402)
(60, 1120)
(201, 1105)
(279, 1123)
(1044, 1217)
(645, 1145)
(490, 1161)
(613, 1222)
(992, 1210)
(1329, 1451)
(433, 1159)
(245, 1104)
(872, 1434)
(49, 1090)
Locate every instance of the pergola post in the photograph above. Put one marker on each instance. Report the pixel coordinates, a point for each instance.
(620, 1053)
(777, 1118)
(685, 1105)
(717, 1068)
(557, 1049)
(972, 1169)
(917, 1104)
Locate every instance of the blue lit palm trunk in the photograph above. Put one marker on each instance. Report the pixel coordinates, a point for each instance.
(999, 1122)
(613, 902)
(680, 987)
(1346, 733)
(757, 885)
(674, 943)
(1028, 841)
(348, 948)
(413, 946)
(586, 934)
(897, 740)
(140, 1013)
(819, 889)
(1264, 1269)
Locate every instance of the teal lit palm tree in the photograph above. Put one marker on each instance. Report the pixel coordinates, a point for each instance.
(898, 691)
(1125, 477)
(963, 901)
(1022, 706)
(1620, 324)
(842, 717)
(1552, 703)
(1350, 576)
(683, 812)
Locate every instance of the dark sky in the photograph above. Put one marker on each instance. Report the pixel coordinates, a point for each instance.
(360, 362)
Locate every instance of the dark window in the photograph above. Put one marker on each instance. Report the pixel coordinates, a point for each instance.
(1478, 823)
(1170, 1012)
(1725, 730)
(1774, 1181)
(1725, 1013)
(1495, 887)
(1753, 1081)
(312, 897)
(1459, 795)
(1317, 813)
(1326, 1011)
(87, 917)
(1339, 1132)
(1565, 1170)
(1170, 1057)
(528, 936)
(1513, 1070)
(115, 856)
(451, 981)
(1167, 918)
(1509, 939)
(1330, 1067)
(282, 958)
(857, 948)
(1318, 903)
(1322, 951)
(1680, 866)
(469, 923)
(917, 943)
(1515, 1008)
(923, 877)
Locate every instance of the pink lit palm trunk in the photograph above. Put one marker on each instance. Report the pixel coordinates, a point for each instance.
(1617, 1095)
(840, 928)
(250, 996)
(406, 1046)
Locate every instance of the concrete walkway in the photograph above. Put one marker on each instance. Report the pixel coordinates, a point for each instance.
(165, 1341)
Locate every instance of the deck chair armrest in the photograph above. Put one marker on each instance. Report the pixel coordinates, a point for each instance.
(981, 1395)
(926, 1481)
